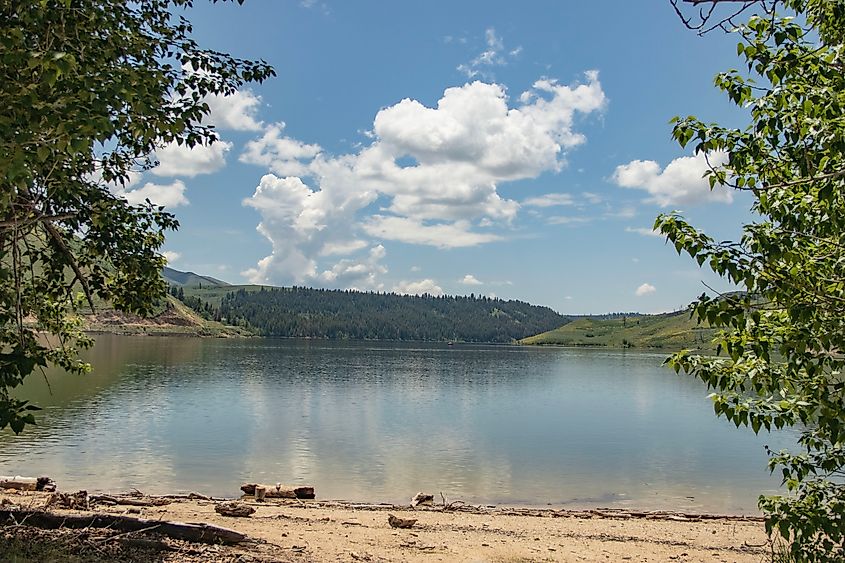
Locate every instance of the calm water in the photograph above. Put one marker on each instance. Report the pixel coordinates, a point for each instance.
(377, 421)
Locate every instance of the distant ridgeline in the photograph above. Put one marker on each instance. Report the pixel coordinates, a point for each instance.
(337, 314)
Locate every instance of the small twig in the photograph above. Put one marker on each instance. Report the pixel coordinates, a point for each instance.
(124, 534)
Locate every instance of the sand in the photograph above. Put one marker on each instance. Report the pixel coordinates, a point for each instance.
(336, 531)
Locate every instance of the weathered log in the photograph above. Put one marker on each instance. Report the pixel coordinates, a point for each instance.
(27, 483)
(202, 533)
(400, 522)
(129, 501)
(280, 491)
(234, 509)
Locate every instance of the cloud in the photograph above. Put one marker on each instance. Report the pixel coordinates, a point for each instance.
(167, 195)
(592, 197)
(494, 55)
(236, 111)
(342, 247)
(420, 287)
(469, 279)
(567, 220)
(412, 231)
(645, 289)
(429, 176)
(171, 256)
(281, 154)
(682, 182)
(357, 274)
(622, 213)
(181, 160)
(301, 224)
(549, 200)
(644, 231)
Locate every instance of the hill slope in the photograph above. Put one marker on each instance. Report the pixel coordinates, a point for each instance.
(172, 318)
(321, 313)
(189, 279)
(669, 331)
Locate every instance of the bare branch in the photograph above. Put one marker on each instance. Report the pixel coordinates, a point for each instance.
(702, 22)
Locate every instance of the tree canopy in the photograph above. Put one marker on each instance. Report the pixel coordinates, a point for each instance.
(88, 90)
(301, 312)
(782, 342)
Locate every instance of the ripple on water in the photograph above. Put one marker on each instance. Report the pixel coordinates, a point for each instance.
(380, 422)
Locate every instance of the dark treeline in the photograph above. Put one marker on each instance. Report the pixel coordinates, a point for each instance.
(338, 314)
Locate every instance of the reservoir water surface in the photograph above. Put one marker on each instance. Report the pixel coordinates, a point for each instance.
(380, 421)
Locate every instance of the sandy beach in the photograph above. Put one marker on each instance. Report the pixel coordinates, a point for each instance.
(302, 530)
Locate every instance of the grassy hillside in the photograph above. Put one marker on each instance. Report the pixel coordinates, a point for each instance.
(669, 331)
(189, 279)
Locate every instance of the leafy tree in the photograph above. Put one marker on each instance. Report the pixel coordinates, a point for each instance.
(88, 90)
(334, 313)
(782, 342)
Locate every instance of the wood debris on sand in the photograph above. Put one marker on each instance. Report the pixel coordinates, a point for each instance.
(280, 491)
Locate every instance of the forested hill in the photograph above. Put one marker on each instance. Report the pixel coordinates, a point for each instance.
(321, 313)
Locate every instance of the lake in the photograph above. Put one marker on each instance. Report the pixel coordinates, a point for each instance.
(380, 421)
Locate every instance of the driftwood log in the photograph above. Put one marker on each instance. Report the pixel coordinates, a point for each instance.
(396, 522)
(280, 491)
(200, 533)
(27, 483)
(234, 509)
(129, 501)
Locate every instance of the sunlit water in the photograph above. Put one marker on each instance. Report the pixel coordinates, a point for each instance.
(381, 421)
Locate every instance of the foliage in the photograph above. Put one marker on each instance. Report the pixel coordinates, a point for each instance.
(346, 314)
(782, 342)
(88, 90)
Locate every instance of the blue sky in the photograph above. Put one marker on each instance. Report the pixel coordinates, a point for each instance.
(515, 149)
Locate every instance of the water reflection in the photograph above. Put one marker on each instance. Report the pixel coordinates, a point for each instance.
(382, 421)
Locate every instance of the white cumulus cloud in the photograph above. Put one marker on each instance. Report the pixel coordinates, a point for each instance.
(167, 195)
(412, 231)
(236, 111)
(361, 274)
(469, 279)
(434, 173)
(281, 154)
(645, 289)
(682, 182)
(183, 161)
(420, 287)
(171, 256)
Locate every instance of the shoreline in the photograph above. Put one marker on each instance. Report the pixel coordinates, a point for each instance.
(336, 530)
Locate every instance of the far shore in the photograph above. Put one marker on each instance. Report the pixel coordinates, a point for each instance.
(321, 530)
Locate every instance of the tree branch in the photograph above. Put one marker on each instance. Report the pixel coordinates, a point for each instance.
(57, 238)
